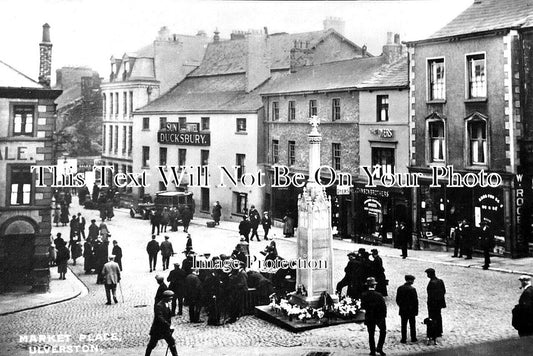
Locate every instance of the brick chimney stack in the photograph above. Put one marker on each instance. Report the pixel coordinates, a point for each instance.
(45, 62)
(393, 50)
(216, 37)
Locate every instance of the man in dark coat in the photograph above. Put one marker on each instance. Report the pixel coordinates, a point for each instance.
(186, 217)
(193, 296)
(255, 220)
(74, 227)
(467, 239)
(458, 248)
(238, 285)
(266, 222)
(94, 230)
(523, 320)
(161, 326)
(176, 279)
(404, 237)
(162, 287)
(378, 272)
(348, 274)
(166, 252)
(407, 300)
(88, 257)
(101, 259)
(217, 212)
(155, 220)
(486, 237)
(212, 289)
(375, 314)
(436, 300)
(96, 193)
(117, 252)
(152, 248)
(244, 228)
(81, 225)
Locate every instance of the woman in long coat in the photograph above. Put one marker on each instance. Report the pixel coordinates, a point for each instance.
(288, 225)
(64, 214)
(62, 258)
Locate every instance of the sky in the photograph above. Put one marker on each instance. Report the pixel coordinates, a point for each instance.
(88, 32)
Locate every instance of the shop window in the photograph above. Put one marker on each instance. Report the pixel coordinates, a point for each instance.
(241, 125)
(336, 109)
(275, 151)
(436, 79)
(146, 156)
(336, 155)
(275, 111)
(21, 180)
(23, 116)
(182, 156)
(437, 141)
(162, 123)
(240, 158)
(313, 108)
(291, 111)
(146, 123)
(204, 199)
(205, 123)
(384, 157)
(477, 84)
(291, 150)
(382, 108)
(240, 202)
(477, 135)
(162, 156)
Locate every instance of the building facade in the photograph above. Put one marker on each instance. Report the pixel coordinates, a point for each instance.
(469, 114)
(28, 115)
(135, 80)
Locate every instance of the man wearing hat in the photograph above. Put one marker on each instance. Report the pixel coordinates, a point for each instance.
(152, 248)
(407, 300)
(166, 252)
(111, 276)
(161, 289)
(176, 279)
(193, 295)
(348, 274)
(266, 222)
(486, 237)
(377, 271)
(161, 326)
(436, 301)
(375, 314)
(523, 312)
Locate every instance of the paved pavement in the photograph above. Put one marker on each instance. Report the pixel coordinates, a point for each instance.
(479, 303)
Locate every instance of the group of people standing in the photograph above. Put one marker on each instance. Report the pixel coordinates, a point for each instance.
(465, 236)
(161, 219)
(250, 223)
(362, 265)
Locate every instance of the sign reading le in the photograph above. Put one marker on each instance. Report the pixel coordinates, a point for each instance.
(184, 138)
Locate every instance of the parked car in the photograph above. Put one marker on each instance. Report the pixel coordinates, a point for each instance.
(142, 207)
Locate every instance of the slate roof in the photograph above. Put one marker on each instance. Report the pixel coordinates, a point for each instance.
(207, 94)
(12, 78)
(69, 96)
(488, 15)
(359, 73)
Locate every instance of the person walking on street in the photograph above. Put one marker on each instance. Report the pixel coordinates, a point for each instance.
(186, 217)
(375, 314)
(407, 300)
(216, 213)
(466, 238)
(288, 224)
(94, 231)
(403, 237)
(266, 222)
(487, 241)
(176, 280)
(104, 231)
(74, 227)
(378, 272)
(111, 274)
(166, 252)
(165, 218)
(436, 299)
(244, 228)
(81, 226)
(255, 220)
(193, 296)
(458, 248)
(75, 248)
(62, 258)
(102, 257)
(155, 220)
(152, 248)
(161, 289)
(117, 252)
(523, 311)
(162, 325)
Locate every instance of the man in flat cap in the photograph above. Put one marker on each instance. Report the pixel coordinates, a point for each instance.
(166, 252)
(375, 313)
(348, 274)
(161, 289)
(161, 326)
(111, 277)
(523, 312)
(436, 301)
(407, 300)
(176, 279)
(486, 237)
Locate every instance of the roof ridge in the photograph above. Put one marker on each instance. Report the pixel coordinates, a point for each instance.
(19, 72)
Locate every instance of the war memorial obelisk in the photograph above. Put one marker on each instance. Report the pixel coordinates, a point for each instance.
(314, 238)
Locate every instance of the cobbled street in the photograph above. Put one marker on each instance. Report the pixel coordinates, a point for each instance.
(479, 302)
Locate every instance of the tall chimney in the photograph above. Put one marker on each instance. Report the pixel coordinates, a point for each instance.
(216, 37)
(393, 50)
(45, 62)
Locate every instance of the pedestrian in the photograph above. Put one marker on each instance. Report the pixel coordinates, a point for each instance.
(152, 248)
(57, 213)
(176, 279)
(486, 237)
(101, 259)
(288, 225)
(375, 314)
(102, 207)
(166, 252)
(187, 262)
(155, 219)
(64, 214)
(407, 300)
(165, 218)
(378, 272)
(52, 253)
(255, 220)
(266, 222)
(245, 227)
(58, 241)
(62, 258)
(162, 288)
(193, 294)
(94, 231)
(523, 311)
(162, 325)
(173, 219)
(348, 275)
(117, 252)
(395, 234)
(81, 226)
(73, 227)
(238, 286)
(88, 256)
(111, 276)
(467, 239)
(109, 208)
(212, 288)
(75, 248)
(457, 243)
(104, 232)
(271, 252)
(404, 237)
(244, 247)
(188, 244)
(186, 217)
(95, 193)
(216, 213)
(436, 299)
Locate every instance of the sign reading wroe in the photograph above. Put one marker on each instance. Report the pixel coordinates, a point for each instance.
(184, 138)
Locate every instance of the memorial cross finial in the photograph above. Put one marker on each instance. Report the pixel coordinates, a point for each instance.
(314, 121)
